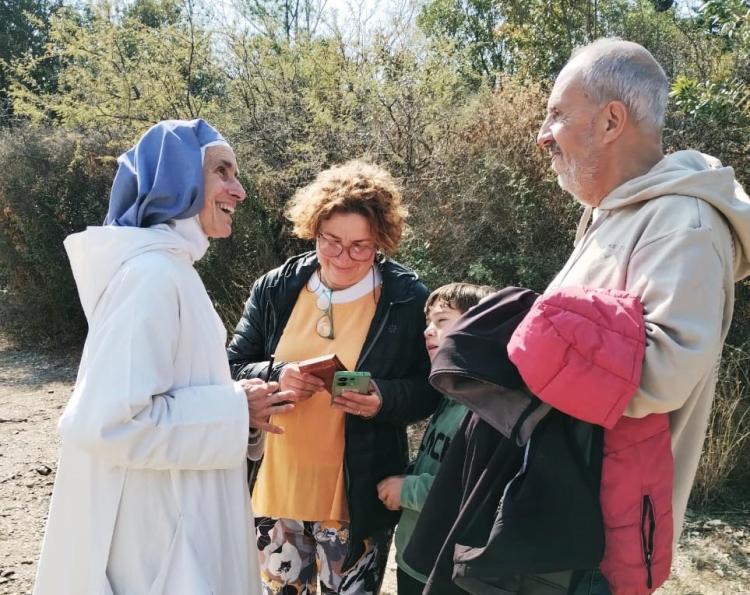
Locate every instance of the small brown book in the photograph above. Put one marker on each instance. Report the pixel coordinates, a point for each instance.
(324, 367)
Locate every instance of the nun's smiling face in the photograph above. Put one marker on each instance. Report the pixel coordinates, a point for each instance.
(222, 191)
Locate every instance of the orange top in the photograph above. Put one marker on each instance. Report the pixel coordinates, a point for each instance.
(302, 475)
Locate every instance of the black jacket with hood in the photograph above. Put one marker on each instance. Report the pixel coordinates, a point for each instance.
(394, 353)
(514, 507)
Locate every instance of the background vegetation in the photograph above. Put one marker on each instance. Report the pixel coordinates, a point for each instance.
(447, 94)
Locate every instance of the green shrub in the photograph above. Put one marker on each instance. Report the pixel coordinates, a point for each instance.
(231, 265)
(52, 183)
(488, 210)
(724, 462)
(55, 182)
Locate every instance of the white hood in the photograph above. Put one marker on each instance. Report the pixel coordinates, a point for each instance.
(98, 253)
(690, 173)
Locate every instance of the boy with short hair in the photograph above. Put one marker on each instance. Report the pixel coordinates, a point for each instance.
(408, 492)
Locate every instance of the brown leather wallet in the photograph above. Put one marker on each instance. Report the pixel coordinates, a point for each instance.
(324, 367)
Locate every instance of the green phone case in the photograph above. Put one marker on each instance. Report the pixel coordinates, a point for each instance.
(355, 381)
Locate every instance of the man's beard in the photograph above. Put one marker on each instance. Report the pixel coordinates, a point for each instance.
(577, 175)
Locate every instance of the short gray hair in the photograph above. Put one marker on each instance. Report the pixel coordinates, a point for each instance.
(612, 69)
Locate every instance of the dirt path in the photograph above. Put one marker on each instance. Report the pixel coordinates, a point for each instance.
(713, 557)
(33, 390)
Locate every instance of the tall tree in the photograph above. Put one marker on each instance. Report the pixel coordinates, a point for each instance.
(534, 38)
(24, 31)
(282, 19)
(123, 69)
(474, 27)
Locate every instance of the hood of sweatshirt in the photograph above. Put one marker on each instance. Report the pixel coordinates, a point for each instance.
(690, 173)
(98, 253)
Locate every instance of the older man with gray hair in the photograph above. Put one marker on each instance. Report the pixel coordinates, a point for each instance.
(673, 230)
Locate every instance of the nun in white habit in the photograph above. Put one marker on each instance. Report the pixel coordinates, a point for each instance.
(151, 496)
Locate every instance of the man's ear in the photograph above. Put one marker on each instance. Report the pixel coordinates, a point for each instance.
(614, 119)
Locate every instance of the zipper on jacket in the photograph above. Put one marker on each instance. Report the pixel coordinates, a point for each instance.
(519, 473)
(347, 483)
(274, 320)
(648, 527)
(368, 348)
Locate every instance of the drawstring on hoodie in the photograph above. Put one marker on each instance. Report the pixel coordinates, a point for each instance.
(583, 223)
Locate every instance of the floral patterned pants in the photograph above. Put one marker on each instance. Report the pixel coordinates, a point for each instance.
(295, 554)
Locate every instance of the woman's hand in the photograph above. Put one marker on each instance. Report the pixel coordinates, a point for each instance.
(264, 400)
(302, 385)
(389, 491)
(359, 404)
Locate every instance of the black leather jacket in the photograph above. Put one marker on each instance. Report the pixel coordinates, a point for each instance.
(394, 353)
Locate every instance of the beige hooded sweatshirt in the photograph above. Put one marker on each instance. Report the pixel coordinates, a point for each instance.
(678, 237)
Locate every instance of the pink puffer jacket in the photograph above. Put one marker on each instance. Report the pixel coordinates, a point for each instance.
(581, 351)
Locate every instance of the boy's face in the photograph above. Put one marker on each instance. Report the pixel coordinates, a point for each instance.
(440, 319)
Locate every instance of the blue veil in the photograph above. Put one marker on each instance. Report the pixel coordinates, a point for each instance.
(161, 177)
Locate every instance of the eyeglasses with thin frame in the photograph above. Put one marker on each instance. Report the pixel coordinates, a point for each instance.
(324, 325)
(332, 248)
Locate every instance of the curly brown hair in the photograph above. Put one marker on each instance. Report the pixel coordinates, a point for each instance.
(352, 187)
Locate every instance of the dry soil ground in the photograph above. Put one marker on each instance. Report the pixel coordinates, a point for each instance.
(713, 556)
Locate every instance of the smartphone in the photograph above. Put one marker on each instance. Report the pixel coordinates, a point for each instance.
(359, 382)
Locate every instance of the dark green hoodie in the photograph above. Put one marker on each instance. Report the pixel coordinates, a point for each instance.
(417, 484)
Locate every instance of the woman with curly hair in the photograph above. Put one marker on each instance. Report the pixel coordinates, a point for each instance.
(315, 494)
